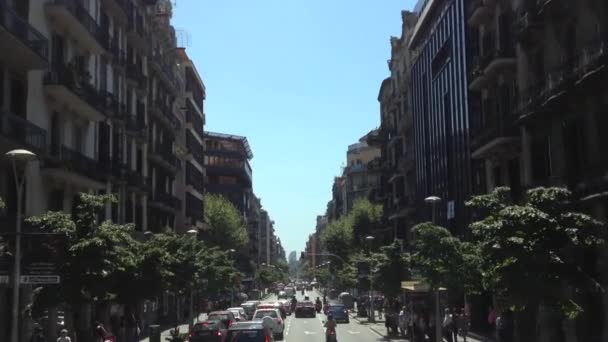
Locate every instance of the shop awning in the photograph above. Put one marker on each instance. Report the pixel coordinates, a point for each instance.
(417, 286)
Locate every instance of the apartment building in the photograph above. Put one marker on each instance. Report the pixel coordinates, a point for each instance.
(94, 88)
(439, 95)
(538, 82)
(395, 137)
(360, 178)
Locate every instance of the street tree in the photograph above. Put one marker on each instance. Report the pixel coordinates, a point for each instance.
(92, 257)
(389, 267)
(338, 237)
(533, 251)
(365, 218)
(226, 227)
(443, 260)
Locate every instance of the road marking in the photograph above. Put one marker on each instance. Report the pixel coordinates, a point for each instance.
(309, 332)
(354, 332)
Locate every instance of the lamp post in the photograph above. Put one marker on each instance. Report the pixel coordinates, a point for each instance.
(193, 233)
(231, 252)
(372, 316)
(23, 157)
(433, 201)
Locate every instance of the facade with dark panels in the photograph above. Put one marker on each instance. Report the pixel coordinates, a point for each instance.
(440, 112)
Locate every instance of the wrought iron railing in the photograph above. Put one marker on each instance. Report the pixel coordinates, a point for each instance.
(22, 131)
(23, 31)
(76, 8)
(77, 81)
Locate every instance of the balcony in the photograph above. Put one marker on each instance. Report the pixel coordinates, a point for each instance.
(527, 25)
(500, 60)
(194, 208)
(195, 148)
(135, 30)
(242, 171)
(164, 200)
(118, 8)
(593, 61)
(480, 12)
(21, 133)
(70, 86)
(194, 121)
(110, 104)
(69, 166)
(119, 170)
(136, 75)
(194, 179)
(29, 48)
(70, 16)
(137, 182)
(164, 114)
(165, 70)
(119, 56)
(496, 137)
(164, 156)
(136, 125)
(477, 76)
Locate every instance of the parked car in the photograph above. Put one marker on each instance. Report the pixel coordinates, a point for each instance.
(208, 331)
(224, 316)
(340, 312)
(283, 295)
(305, 309)
(239, 314)
(249, 332)
(278, 327)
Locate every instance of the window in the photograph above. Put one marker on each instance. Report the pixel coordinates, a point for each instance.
(55, 134)
(497, 176)
(541, 158)
(442, 57)
(78, 142)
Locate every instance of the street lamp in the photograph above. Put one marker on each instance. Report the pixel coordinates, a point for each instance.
(193, 233)
(372, 316)
(433, 201)
(22, 157)
(231, 252)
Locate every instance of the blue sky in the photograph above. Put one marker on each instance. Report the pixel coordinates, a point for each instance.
(300, 79)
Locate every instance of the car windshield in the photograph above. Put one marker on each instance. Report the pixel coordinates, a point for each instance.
(262, 314)
(245, 335)
(218, 317)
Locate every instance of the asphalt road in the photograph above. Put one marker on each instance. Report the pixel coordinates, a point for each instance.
(311, 329)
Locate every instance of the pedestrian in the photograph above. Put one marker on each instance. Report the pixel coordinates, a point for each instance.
(432, 324)
(38, 335)
(454, 327)
(448, 321)
(463, 324)
(504, 326)
(63, 336)
(492, 315)
(403, 318)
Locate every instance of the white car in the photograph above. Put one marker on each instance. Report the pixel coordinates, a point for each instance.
(278, 327)
(239, 314)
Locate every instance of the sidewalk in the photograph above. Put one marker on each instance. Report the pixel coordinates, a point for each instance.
(379, 328)
(183, 329)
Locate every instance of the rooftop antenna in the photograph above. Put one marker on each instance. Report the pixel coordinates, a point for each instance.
(183, 38)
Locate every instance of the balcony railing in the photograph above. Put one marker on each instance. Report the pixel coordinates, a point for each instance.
(78, 162)
(195, 120)
(77, 81)
(82, 15)
(167, 155)
(22, 131)
(134, 72)
(166, 112)
(136, 21)
(167, 199)
(194, 177)
(120, 57)
(195, 148)
(137, 180)
(23, 31)
(194, 207)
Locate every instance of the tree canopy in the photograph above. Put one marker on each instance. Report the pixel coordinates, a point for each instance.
(226, 228)
(531, 251)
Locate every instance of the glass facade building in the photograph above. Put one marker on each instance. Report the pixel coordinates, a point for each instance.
(439, 96)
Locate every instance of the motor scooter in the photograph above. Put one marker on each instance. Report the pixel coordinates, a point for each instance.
(330, 336)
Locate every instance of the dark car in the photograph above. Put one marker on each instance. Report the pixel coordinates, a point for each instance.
(225, 316)
(208, 331)
(340, 312)
(249, 332)
(305, 309)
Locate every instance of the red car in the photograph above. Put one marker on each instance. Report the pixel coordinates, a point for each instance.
(305, 309)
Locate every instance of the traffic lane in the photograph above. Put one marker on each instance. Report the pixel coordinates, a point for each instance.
(304, 329)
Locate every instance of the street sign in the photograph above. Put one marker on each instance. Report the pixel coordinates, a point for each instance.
(39, 268)
(40, 279)
(4, 279)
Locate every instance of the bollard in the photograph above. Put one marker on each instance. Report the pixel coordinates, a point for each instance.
(154, 333)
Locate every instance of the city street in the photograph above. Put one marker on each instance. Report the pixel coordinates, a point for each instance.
(311, 329)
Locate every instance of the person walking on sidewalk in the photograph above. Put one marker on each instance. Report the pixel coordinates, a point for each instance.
(63, 336)
(463, 324)
(448, 325)
(403, 319)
